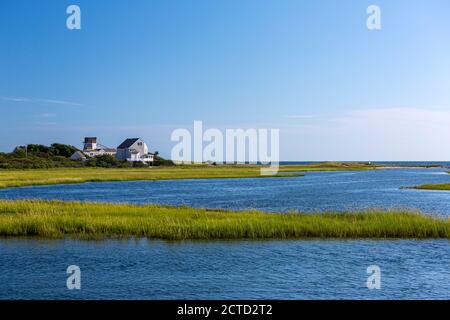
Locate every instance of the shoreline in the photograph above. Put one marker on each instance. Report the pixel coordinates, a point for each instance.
(410, 167)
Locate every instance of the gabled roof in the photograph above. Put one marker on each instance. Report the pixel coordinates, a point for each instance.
(79, 153)
(127, 143)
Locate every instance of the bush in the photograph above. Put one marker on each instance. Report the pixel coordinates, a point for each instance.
(139, 165)
(125, 164)
(91, 162)
(106, 161)
(62, 150)
(38, 150)
(159, 161)
(19, 152)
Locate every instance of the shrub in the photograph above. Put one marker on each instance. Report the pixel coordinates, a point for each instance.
(106, 161)
(139, 165)
(62, 150)
(159, 161)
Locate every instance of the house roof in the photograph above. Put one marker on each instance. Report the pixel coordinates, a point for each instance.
(100, 149)
(78, 152)
(127, 143)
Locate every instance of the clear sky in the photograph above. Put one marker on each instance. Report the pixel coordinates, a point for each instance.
(336, 90)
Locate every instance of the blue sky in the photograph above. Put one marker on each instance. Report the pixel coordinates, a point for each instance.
(336, 90)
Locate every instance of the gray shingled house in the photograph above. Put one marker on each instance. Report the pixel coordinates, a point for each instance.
(134, 150)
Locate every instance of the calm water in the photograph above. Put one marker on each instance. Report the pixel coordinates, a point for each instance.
(141, 269)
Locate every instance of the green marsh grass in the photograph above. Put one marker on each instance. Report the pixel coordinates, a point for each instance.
(87, 220)
(31, 177)
(443, 187)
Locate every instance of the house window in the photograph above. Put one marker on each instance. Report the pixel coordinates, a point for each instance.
(140, 144)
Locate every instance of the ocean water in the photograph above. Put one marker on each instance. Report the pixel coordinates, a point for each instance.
(142, 269)
(295, 269)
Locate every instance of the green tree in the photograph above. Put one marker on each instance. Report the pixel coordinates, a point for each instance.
(62, 150)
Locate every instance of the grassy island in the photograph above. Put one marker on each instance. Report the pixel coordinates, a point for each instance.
(30, 177)
(57, 219)
(441, 187)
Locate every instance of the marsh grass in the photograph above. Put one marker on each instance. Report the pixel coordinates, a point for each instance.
(32, 177)
(57, 219)
(443, 187)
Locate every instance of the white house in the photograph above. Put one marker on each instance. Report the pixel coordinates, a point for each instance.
(92, 149)
(134, 150)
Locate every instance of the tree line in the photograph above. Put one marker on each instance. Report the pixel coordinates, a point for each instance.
(57, 155)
